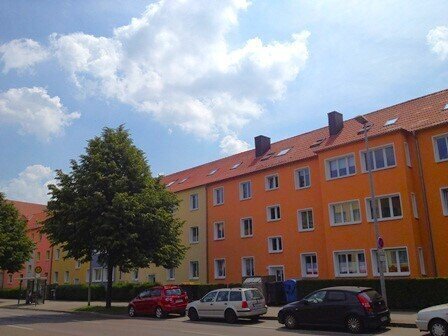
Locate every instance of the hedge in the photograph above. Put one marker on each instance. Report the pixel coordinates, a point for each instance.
(10, 293)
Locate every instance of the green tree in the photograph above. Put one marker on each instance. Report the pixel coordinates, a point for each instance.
(15, 246)
(109, 203)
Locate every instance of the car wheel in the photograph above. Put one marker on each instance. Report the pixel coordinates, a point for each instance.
(160, 313)
(131, 311)
(230, 316)
(193, 314)
(354, 324)
(438, 328)
(291, 321)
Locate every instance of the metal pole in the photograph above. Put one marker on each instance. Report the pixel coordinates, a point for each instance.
(89, 289)
(380, 251)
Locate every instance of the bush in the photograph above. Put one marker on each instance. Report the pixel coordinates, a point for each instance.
(11, 293)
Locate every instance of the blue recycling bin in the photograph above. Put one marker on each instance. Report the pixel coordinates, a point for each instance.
(290, 287)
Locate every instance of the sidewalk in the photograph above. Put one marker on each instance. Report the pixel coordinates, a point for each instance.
(399, 318)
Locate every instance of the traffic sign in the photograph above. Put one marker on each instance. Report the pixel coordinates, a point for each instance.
(38, 270)
(380, 243)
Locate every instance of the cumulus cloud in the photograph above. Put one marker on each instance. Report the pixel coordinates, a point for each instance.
(21, 54)
(31, 185)
(35, 112)
(230, 144)
(438, 41)
(175, 63)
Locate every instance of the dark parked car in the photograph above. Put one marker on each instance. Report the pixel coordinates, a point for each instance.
(159, 301)
(355, 308)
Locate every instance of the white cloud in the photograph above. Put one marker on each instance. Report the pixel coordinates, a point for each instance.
(230, 144)
(175, 63)
(35, 112)
(21, 54)
(438, 41)
(31, 185)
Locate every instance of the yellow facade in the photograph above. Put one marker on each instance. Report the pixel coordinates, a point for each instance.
(67, 271)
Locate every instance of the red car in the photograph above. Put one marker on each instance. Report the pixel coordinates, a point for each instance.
(159, 301)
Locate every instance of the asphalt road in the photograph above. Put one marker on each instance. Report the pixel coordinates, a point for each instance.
(16, 322)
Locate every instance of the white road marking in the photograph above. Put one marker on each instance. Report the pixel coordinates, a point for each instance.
(18, 327)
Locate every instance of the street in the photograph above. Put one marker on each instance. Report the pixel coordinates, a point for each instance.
(16, 322)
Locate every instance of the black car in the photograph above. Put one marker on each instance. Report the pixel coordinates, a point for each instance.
(355, 308)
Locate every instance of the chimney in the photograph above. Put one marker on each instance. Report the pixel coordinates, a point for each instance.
(335, 122)
(262, 145)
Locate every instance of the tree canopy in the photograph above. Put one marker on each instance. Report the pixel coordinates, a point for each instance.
(110, 204)
(15, 246)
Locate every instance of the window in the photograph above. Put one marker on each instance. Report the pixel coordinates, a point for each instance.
(219, 231)
(309, 265)
(341, 166)
(407, 154)
(218, 196)
(77, 264)
(302, 178)
(336, 296)
(414, 205)
(194, 235)
(275, 244)
(248, 268)
(388, 207)
(57, 254)
(209, 297)
(245, 190)
(29, 268)
(194, 269)
(444, 197)
(10, 278)
(283, 151)
(152, 278)
(379, 158)
(183, 180)
(278, 272)
(194, 202)
(76, 281)
(317, 297)
(135, 275)
(213, 171)
(67, 277)
(55, 277)
(273, 213)
(171, 274)
(98, 274)
(236, 296)
(397, 262)
(223, 296)
(345, 213)
(271, 182)
(441, 147)
(220, 268)
(236, 165)
(305, 218)
(47, 255)
(38, 256)
(390, 122)
(171, 183)
(246, 228)
(350, 263)
(421, 259)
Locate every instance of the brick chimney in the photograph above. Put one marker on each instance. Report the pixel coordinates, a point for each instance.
(335, 122)
(262, 145)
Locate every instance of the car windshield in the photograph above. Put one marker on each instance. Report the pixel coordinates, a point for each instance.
(373, 295)
(253, 294)
(173, 292)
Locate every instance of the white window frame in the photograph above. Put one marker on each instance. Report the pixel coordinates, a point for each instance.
(57, 254)
(414, 205)
(243, 266)
(436, 148)
(444, 201)
(270, 247)
(299, 219)
(353, 222)
(268, 213)
(215, 196)
(242, 227)
(386, 272)
(191, 235)
(241, 187)
(67, 277)
(56, 277)
(371, 150)
(190, 270)
(135, 274)
(377, 198)
(328, 170)
(349, 275)
(297, 180)
(194, 197)
(215, 230)
(170, 274)
(215, 263)
(303, 265)
(276, 177)
(77, 264)
(270, 267)
(407, 154)
(421, 260)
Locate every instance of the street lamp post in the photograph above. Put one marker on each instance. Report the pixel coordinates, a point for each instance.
(379, 241)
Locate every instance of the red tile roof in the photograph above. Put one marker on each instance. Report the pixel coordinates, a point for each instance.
(413, 115)
(34, 213)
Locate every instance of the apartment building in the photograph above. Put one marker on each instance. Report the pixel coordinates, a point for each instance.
(301, 207)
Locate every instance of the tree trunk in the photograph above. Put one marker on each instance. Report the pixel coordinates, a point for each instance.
(109, 285)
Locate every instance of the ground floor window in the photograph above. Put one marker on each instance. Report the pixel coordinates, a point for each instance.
(194, 269)
(397, 262)
(248, 268)
(220, 268)
(170, 274)
(278, 272)
(350, 263)
(309, 265)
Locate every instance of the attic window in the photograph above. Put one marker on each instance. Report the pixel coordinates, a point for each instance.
(171, 183)
(391, 122)
(267, 156)
(317, 143)
(446, 107)
(183, 180)
(213, 171)
(236, 165)
(283, 151)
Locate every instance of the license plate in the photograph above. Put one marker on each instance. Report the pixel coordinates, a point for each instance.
(384, 318)
(179, 300)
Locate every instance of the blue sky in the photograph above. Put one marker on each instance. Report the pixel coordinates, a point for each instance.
(194, 81)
